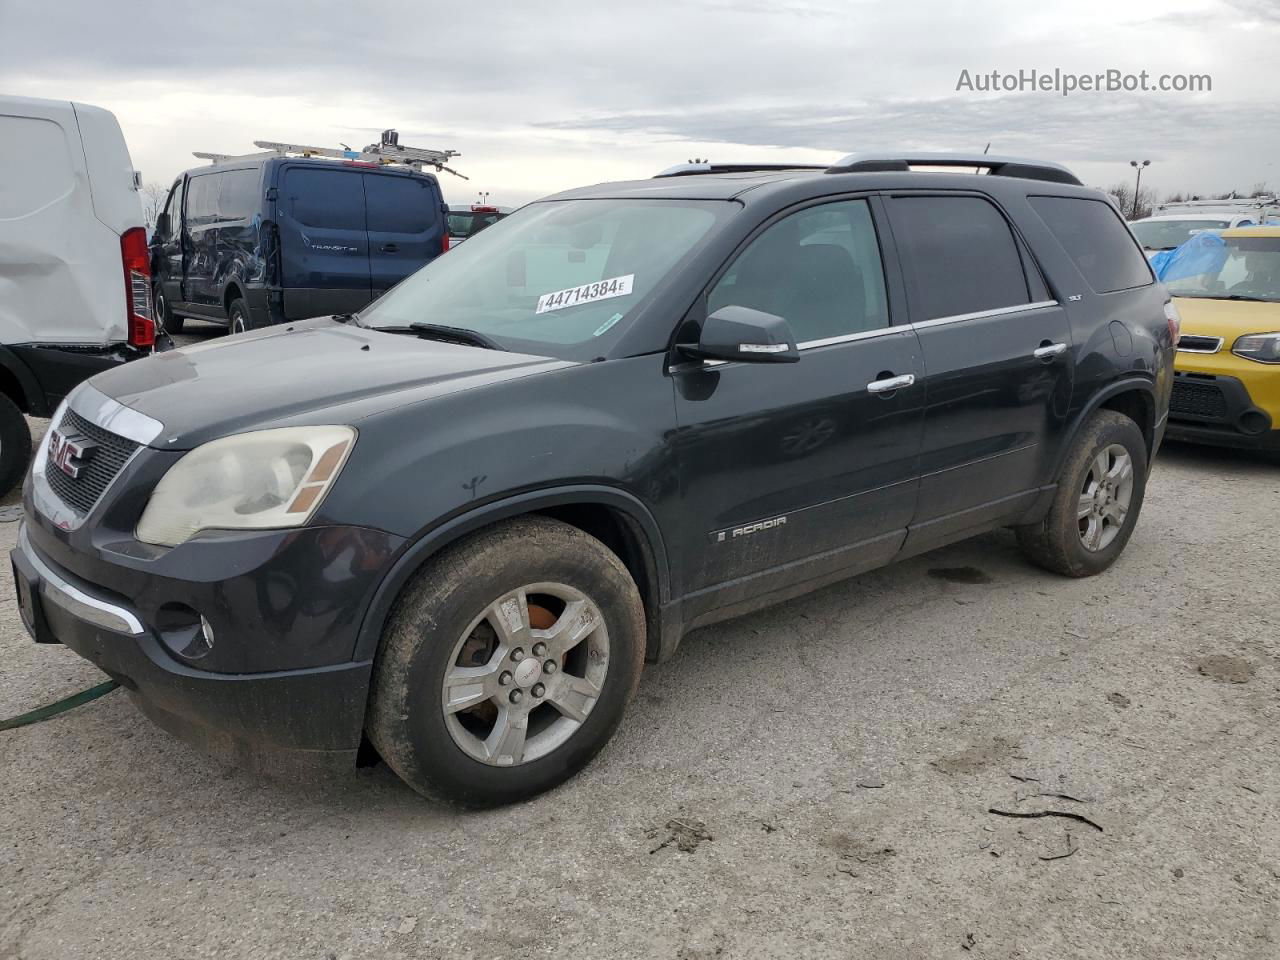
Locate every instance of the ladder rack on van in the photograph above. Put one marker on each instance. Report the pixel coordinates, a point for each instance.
(1233, 205)
(386, 152)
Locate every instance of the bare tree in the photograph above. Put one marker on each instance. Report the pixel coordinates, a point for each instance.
(153, 198)
(1122, 194)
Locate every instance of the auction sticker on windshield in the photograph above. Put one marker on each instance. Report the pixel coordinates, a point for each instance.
(587, 293)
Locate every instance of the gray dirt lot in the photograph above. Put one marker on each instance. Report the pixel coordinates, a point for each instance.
(840, 753)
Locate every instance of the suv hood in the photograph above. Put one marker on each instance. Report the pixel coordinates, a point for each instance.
(296, 371)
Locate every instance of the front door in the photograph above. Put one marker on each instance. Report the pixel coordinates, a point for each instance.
(200, 238)
(795, 472)
(169, 259)
(998, 354)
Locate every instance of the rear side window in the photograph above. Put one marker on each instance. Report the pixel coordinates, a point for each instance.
(399, 204)
(1097, 241)
(332, 199)
(202, 200)
(959, 256)
(35, 169)
(238, 195)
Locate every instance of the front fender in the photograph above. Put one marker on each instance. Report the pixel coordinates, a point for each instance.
(435, 538)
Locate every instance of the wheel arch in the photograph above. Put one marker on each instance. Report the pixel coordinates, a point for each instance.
(616, 518)
(20, 385)
(232, 291)
(1135, 397)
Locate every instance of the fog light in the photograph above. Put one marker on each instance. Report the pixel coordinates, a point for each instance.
(184, 631)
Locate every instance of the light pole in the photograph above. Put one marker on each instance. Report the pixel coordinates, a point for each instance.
(1137, 187)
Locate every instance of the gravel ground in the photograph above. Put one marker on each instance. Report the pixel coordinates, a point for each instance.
(811, 781)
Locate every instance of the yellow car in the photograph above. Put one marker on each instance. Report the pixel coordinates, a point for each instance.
(1226, 388)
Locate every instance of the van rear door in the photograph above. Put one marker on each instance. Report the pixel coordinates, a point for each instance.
(324, 244)
(406, 226)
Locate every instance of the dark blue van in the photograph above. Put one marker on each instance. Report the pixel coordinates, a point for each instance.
(254, 241)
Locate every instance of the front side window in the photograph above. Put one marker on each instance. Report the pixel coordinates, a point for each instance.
(202, 200)
(959, 255)
(560, 278)
(818, 269)
(1244, 268)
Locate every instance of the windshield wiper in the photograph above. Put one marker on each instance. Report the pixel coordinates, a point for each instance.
(470, 338)
(1242, 296)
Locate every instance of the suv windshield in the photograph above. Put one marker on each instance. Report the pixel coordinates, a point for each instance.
(1251, 271)
(561, 278)
(1167, 234)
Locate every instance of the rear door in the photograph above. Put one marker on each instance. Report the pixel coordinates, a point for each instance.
(324, 244)
(998, 354)
(406, 226)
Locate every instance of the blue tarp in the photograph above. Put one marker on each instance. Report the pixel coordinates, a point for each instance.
(1203, 253)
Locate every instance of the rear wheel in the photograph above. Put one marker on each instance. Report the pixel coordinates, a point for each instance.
(15, 444)
(1098, 499)
(507, 663)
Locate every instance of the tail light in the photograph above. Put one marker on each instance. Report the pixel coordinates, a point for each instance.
(1175, 322)
(444, 243)
(140, 314)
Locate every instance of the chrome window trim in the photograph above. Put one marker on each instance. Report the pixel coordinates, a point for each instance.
(96, 407)
(983, 314)
(882, 332)
(1218, 342)
(62, 593)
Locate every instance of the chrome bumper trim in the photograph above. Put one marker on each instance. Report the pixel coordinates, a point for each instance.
(60, 592)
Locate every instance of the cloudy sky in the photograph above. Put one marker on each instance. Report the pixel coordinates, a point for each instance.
(546, 94)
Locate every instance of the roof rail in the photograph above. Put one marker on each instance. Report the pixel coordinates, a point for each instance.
(694, 167)
(996, 166)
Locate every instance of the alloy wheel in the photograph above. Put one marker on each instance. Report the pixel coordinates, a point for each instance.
(525, 674)
(1105, 497)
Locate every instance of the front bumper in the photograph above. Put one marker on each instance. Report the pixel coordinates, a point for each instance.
(289, 720)
(1218, 410)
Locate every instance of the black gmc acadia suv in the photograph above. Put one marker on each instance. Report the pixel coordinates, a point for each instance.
(459, 522)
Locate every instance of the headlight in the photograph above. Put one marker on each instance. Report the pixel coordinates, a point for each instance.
(1263, 347)
(250, 481)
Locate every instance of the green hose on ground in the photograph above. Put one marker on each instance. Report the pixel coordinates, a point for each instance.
(59, 706)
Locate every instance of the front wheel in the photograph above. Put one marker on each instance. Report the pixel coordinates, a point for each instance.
(507, 663)
(166, 319)
(1099, 496)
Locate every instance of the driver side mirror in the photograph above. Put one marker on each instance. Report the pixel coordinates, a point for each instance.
(744, 335)
(162, 225)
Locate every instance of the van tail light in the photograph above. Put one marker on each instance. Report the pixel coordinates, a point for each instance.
(444, 244)
(140, 312)
(1175, 322)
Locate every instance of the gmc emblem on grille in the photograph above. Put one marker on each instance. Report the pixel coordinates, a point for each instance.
(69, 454)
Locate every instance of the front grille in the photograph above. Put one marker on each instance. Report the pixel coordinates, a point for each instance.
(112, 453)
(1198, 398)
(1192, 343)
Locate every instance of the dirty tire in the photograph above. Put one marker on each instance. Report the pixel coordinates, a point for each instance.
(15, 444)
(405, 720)
(166, 319)
(1055, 542)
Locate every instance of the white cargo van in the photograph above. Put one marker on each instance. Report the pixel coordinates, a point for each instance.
(75, 290)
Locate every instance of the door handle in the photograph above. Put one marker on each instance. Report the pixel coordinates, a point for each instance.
(389, 248)
(890, 384)
(1048, 351)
